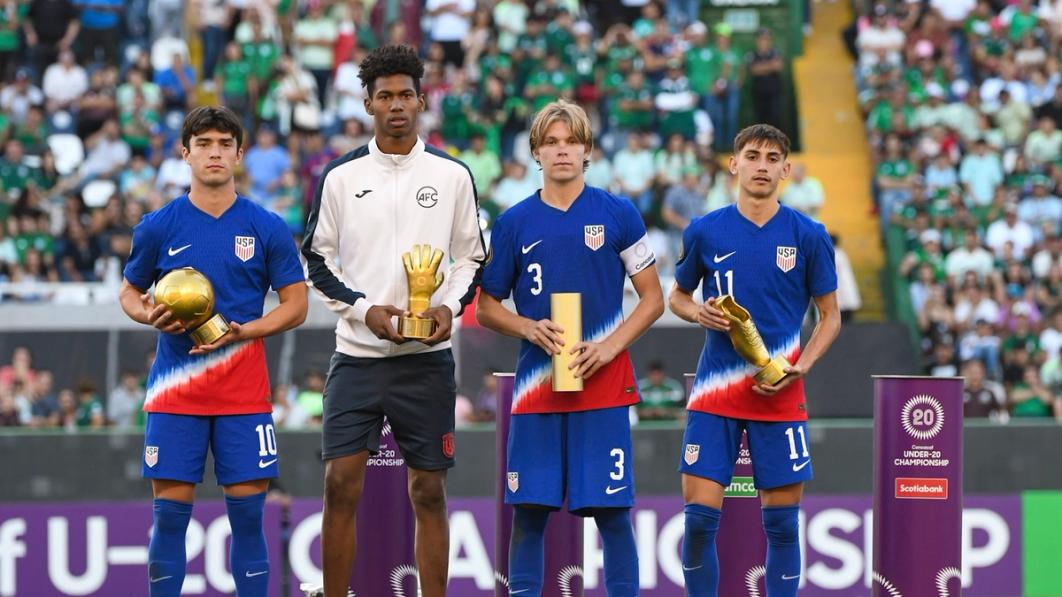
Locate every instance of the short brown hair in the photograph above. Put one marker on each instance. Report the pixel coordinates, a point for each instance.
(571, 114)
(759, 134)
(206, 118)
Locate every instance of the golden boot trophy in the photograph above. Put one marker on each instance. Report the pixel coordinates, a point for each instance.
(748, 343)
(424, 278)
(190, 297)
(566, 311)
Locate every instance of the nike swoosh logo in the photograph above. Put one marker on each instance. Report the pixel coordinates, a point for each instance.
(173, 251)
(694, 568)
(609, 490)
(363, 193)
(719, 259)
(160, 579)
(797, 467)
(527, 249)
(518, 592)
(784, 577)
(250, 575)
(265, 463)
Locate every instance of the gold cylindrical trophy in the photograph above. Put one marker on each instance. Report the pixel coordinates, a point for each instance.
(566, 310)
(424, 278)
(190, 297)
(749, 344)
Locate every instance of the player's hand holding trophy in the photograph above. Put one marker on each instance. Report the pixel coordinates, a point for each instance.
(189, 296)
(424, 278)
(749, 344)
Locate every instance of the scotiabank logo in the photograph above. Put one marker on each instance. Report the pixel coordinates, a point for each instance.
(915, 488)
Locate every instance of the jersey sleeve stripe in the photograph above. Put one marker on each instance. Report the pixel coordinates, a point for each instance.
(319, 270)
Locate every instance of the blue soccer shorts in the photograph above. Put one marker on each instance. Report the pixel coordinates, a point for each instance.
(585, 456)
(244, 447)
(779, 450)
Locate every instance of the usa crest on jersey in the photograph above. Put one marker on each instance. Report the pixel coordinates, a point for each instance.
(151, 455)
(514, 481)
(594, 236)
(693, 452)
(786, 258)
(244, 247)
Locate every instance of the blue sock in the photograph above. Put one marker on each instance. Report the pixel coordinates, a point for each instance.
(247, 555)
(700, 561)
(782, 525)
(166, 555)
(527, 555)
(621, 553)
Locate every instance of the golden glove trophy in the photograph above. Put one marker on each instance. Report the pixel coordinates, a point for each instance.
(424, 278)
(190, 297)
(566, 310)
(748, 343)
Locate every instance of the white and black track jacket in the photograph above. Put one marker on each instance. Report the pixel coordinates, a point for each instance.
(369, 208)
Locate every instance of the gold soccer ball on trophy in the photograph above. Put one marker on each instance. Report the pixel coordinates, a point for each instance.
(188, 294)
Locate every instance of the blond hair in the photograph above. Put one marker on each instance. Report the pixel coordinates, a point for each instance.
(571, 114)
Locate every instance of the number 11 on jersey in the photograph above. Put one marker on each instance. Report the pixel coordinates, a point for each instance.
(729, 275)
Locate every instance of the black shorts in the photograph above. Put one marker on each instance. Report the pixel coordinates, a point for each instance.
(415, 392)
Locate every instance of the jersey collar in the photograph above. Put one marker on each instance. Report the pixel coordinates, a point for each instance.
(390, 160)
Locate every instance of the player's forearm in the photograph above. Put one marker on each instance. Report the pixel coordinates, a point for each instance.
(288, 314)
(493, 315)
(822, 338)
(650, 308)
(682, 304)
(129, 299)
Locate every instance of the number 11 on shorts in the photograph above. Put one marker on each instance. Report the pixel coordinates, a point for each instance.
(792, 443)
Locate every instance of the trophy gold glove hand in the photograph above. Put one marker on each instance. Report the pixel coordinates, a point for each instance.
(378, 320)
(443, 318)
(792, 373)
(423, 275)
(160, 317)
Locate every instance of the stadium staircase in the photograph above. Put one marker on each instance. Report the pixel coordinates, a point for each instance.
(835, 149)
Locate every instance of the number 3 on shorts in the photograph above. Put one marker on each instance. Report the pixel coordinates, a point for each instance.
(617, 475)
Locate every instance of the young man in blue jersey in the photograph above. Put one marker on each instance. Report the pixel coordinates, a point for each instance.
(570, 237)
(774, 261)
(216, 395)
(371, 206)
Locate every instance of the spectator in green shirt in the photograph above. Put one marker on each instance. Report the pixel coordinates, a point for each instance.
(232, 80)
(1031, 398)
(894, 177)
(663, 398)
(1023, 20)
(724, 100)
(483, 163)
(531, 49)
(14, 174)
(549, 84)
(634, 106)
(12, 13)
(456, 106)
(90, 410)
(311, 398)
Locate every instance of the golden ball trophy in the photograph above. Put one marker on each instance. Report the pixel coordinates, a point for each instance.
(566, 310)
(190, 297)
(424, 278)
(748, 343)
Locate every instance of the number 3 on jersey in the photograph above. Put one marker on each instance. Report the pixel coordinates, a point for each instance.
(535, 270)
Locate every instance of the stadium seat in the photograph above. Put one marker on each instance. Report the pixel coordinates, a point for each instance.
(68, 152)
(97, 192)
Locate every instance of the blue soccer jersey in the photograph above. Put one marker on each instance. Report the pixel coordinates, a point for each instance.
(243, 253)
(538, 250)
(773, 271)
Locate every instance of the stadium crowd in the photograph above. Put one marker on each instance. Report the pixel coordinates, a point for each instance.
(963, 107)
(92, 93)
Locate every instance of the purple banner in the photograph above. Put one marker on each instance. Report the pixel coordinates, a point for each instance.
(917, 486)
(43, 548)
(564, 532)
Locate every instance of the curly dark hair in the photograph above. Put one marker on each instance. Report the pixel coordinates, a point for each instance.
(391, 60)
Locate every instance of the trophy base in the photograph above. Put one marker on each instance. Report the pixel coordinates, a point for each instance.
(415, 328)
(211, 331)
(773, 373)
